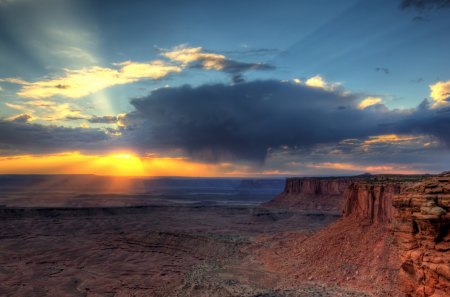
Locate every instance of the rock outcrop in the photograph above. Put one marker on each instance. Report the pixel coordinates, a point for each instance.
(323, 194)
(421, 230)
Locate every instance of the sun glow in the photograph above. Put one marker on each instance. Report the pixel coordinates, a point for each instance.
(115, 164)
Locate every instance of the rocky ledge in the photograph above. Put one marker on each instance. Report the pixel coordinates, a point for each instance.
(421, 230)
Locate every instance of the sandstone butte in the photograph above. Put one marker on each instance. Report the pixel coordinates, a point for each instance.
(392, 239)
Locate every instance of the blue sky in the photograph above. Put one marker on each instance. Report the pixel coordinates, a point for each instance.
(80, 64)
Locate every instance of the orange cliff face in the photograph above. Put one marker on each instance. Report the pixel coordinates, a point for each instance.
(421, 228)
(371, 202)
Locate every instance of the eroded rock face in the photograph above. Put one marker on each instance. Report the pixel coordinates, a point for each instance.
(371, 202)
(421, 229)
(323, 194)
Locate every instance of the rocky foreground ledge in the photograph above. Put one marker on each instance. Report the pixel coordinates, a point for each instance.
(421, 229)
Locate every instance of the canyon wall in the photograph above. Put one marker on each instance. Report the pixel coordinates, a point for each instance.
(323, 194)
(421, 231)
(352, 194)
(371, 202)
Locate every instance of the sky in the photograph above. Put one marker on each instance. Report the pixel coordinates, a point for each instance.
(224, 88)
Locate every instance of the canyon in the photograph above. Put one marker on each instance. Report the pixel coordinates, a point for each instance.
(369, 235)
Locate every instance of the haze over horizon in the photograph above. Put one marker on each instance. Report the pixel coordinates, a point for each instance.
(174, 88)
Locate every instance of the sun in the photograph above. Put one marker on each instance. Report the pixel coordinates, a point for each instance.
(125, 164)
(123, 156)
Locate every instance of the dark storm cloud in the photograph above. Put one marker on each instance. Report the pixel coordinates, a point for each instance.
(19, 137)
(242, 121)
(425, 4)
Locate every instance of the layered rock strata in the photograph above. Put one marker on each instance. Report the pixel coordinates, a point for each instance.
(371, 202)
(421, 229)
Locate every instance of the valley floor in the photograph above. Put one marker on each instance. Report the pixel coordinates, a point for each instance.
(163, 251)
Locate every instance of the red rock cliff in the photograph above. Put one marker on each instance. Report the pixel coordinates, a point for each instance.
(323, 194)
(421, 229)
(371, 202)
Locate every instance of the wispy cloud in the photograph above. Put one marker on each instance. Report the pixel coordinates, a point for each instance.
(85, 81)
(88, 80)
(198, 58)
(48, 110)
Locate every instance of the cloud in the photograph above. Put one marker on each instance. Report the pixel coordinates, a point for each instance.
(318, 82)
(85, 81)
(15, 106)
(425, 4)
(386, 141)
(188, 55)
(21, 118)
(389, 138)
(247, 120)
(243, 121)
(18, 137)
(383, 69)
(369, 101)
(88, 80)
(197, 58)
(118, 120)
(440, 92)
(48, 110)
